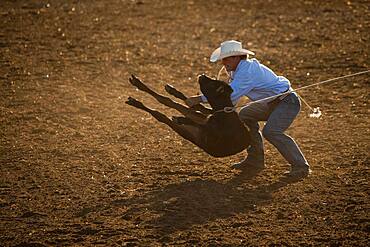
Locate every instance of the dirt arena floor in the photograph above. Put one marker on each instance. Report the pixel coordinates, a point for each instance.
(79, 167)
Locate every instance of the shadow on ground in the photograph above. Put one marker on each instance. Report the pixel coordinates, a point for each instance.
(179, 206)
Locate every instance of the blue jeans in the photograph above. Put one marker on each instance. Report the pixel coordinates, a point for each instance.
(278, 120)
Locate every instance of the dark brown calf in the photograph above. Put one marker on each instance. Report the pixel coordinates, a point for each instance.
(217, 132)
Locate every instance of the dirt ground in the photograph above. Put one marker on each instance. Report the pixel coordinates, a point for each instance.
(79, 167)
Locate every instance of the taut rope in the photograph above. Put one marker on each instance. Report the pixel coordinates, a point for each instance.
(229, 109)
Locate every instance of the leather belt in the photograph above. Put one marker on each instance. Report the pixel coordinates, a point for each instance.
(273, 103)
(281, 97)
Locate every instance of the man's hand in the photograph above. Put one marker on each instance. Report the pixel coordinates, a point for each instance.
(193, 100)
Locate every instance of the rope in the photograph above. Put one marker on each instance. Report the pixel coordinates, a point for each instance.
(219, 72)
(304, 101)
(229, 109)
(333, 79)
(316, 113)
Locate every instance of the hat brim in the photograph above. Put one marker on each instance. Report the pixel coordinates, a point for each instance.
(216, 54)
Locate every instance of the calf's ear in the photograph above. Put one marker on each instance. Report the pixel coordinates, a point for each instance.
(199, 76)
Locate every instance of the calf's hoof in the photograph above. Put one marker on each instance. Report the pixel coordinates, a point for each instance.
(137, 83)
(133, 102)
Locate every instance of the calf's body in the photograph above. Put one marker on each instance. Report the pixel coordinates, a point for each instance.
(217, 132)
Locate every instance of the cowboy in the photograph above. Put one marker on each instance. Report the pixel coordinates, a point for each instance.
(248, 77)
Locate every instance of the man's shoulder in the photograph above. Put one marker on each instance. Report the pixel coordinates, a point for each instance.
(244, 70)
(250, 62)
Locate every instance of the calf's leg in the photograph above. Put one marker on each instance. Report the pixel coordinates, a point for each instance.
(174, 92)
(190, 133)
(187, 112)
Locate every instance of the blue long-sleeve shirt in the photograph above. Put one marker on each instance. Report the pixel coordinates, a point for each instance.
(256, 81)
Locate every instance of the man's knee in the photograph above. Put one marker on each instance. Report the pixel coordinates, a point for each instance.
(270, 134)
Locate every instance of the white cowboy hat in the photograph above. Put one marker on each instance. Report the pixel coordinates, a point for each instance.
(228, 49)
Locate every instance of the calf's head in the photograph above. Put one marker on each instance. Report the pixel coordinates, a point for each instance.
(217, 92)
